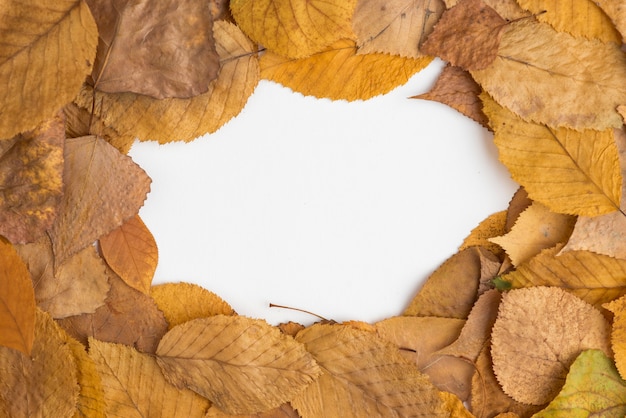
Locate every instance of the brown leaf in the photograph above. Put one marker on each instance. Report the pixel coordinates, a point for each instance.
(490, 227)
(44, 383)
(128, 317)
(182, 302)
(17, 298)
(47, 50)
(242, 365)
(396, 27)
(539, 332)
(456, 88)
(508, 9)
(90, 402)
(31, 175)
(80, 285)
(469, 22)
(283, 411)
(352, 361)
(135, 387)
(131, 251)
(96, 176)
(518, 204)
(163, 49)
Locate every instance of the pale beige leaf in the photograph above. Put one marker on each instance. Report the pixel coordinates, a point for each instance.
(135, 387)
(242, 365)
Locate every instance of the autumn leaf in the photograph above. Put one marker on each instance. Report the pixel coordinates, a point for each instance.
(141, 43)
(616, 12)
(131, 251)
(78, 286)
(492, 226)
(182, 302)
(91, 403)
(535, 340)
(135, 387)
(618, 332)
(185, 119)
(44, 383)
(242, 365)
(508, 9)
(283, 411)
(31, 174)
(570, 172)
(17, 301)
(395, 27)
(294, 28)
(518, 204)
(95, 176)
(338, 73)
(48, 50)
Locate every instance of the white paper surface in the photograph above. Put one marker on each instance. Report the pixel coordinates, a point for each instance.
(339, 208)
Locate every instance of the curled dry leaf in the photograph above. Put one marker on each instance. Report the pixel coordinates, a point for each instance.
(182, 302)
(538, 334)
(242, 365)
(294, 28)
(47, 52)
(352, 360)
(31, 175)
(338, 73)
(163, 49)
(44, 383)
(135, 387)
(396, 27)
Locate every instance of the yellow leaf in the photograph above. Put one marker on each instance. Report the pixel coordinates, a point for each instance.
(47, 51)
(135, 387)
(553, 72)
(616, 11)
(17, 301)
(538, 334)
(339, 73)
(570, 172)
(454, 406)
(294, 28)
(492, 226)
(182, 302)
(283, 411)
(363, 376)
(91, 402)
(618, 332)
(131, 251)
(242, 365)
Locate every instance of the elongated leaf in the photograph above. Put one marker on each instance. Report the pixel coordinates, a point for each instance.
(91, 403)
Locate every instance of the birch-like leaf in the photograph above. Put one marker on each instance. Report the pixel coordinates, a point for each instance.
(617, 12)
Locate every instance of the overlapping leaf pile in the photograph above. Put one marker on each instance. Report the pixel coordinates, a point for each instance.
(528, 318)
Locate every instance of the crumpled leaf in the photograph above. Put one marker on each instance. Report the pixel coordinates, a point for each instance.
(127, 317)
(182, 302)
(47, 52)
(594, 278)
(618, 332)
(294, 28)
(78, 286)
(185, 119)
(571, 172)
(44, 383)
(95, 176)
(17, 301)
(135, 387)
(492, 226)
(396, 27)
(535, 340)
(470, 21)
(339, 73)
(90, 402)
(141, 46)
(554, 70)
(31, 174)
(242, 365)
(131, 251)
(592, 388)
(352, 360)
(536, 229)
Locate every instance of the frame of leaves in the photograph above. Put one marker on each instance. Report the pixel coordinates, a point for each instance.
(526, 319)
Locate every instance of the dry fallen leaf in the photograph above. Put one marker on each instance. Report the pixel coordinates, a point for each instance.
(283, 411)
(616, 11)
(91, 403)
(618, 332)
(508, 9)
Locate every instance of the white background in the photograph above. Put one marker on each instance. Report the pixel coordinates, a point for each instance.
(339, 208)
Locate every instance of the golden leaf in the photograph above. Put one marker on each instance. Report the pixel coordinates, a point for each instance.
(46, 53)
(182, 302)
(454, 406)
(17, 298)
(571, 172)
(490, 227)
(91, 402)
(535, 340)
(339, 73)
(352, 361)
(131, 251)
(618, 332)
(396, 27)
(283, 411)
(616, 11)
(508, 9)
(242, 365)
(135, 387)
(294, 28)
